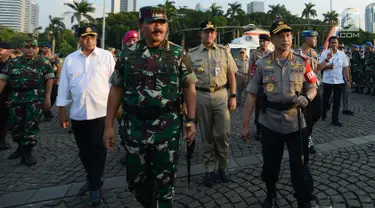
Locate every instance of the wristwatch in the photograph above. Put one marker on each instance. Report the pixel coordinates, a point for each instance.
(308, 98)
(191, 120)
(233, 96)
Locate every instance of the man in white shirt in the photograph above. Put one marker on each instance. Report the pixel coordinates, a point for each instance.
(85, 74)
(334, 63)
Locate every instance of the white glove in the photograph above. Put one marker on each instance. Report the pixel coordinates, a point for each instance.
(301, 101)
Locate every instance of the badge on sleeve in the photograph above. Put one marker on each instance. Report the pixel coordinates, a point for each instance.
(270, 87)
(200, 69)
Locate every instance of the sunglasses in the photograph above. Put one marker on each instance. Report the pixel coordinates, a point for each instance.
(30, 46)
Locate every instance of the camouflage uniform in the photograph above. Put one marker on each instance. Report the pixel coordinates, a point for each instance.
(152, 80)
(26, 77)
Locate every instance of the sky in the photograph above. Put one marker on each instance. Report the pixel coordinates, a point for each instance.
(56, 8)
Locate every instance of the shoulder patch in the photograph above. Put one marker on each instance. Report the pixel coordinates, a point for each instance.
(221, 47)
(300, 54)
(193, 49)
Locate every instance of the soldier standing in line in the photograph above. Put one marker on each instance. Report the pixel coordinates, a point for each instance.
(264, 42)
(149, 79)
(31, 78)
(242, 73)
(5, 52)
(56, 64)
(214, 67)
(281, 74)
(313, 111)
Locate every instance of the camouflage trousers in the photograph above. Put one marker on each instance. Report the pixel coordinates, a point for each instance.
(152, 165)
(24, 119)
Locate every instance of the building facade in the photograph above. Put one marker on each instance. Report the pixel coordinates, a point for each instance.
(255, 6)
(20, 15)
(370, 18)
(350, 20)
(124, 6)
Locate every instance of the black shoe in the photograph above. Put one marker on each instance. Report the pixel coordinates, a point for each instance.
(123, 160)
(312, 149)
(224, 175)
(337, 123)
(95, 197)
(84, 189)
(304, 205)
(26, 157)
(269, 202)
(348, 112)
(208, 179)
(71, 131)
(16, 154)
(5, 146)
(324, 116)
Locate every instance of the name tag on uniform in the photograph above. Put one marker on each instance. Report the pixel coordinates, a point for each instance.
(217, 71)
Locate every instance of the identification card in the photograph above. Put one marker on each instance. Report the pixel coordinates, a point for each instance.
(217, 71)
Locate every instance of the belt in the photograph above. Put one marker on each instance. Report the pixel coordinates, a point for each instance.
(241, 73)
(151, 113)
(279, 106)
(212, 89)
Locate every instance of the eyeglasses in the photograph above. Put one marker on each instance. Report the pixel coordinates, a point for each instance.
(30, 46)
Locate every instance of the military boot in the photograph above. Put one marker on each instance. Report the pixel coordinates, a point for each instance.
(304, 204)
(224, 175)
(16, 154)
(26, 157)
(209, 179)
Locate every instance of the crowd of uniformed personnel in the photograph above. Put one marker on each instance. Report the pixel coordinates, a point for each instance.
(154, 77)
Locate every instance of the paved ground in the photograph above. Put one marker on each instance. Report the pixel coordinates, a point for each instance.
(351, 168)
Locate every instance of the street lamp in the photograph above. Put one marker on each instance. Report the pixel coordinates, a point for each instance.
(103, 29)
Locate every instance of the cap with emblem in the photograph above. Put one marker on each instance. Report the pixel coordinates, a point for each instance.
(150, 14)
(208, 25)
(5, 45)
(279, 26)
(45, 44)
(309, 33)
(30, 41)
(264, 37)
(86, 30)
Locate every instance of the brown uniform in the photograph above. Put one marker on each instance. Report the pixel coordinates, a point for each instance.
(211, 67)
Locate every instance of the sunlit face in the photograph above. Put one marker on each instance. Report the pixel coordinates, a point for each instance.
(155, 31)
(282, 40)
(4, 53)
(208, 36)
(311, 41)
(334, 44)
(131, 41)
(88, 42)
(264, 43)
(30, 51)
(45, 50)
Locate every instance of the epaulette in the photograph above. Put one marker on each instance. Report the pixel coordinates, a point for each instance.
(221, 47)
(300, 54)
(193, 49)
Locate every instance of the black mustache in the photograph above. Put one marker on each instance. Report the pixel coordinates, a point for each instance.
(157, 31)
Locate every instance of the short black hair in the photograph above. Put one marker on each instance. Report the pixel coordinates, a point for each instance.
(333, 38)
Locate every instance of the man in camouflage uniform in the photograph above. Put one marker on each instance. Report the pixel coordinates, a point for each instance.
(313, 111)
(264, 42)
(242, 63)
(148, 78)
(31, 78)
(56, 64)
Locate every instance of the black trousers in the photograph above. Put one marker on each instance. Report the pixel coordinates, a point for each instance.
(89, 137)
(273, 148)
(3, 122)
(327, 92)
(313, 112)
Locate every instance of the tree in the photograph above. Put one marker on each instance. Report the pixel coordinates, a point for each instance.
(216, 10)
(56, 27)
(331, 17)
(276, 12)
(309, 11)
(36, 31)
(81, 9)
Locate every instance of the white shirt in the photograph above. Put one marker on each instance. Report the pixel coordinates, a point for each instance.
(87, 79)
(334, 76)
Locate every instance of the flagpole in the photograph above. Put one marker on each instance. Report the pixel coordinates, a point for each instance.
(103, 29)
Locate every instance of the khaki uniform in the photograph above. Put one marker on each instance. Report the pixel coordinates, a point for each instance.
(241, 76)
(279, 85)
(211, 67)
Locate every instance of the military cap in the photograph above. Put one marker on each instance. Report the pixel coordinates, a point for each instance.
(369, 44)
(86, 30)
(30, 41)
(355, 46)
(279, 26)
(5, 45)
(151, 14)
(309, 33)
(208, 25)
(45, 44)
(264, 37)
